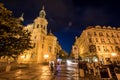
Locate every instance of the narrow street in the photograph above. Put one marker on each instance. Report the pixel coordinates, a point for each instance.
(42, 72)
(65, 72)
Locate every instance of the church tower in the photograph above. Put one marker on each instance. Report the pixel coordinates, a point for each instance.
(40, 32)
(45, 45)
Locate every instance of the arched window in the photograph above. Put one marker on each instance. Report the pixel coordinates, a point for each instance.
(37, 25)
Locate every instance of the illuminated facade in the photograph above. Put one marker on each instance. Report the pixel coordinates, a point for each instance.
(99, 43)
(45, 44)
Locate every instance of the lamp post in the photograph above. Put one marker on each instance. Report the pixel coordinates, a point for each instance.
(114, 55)
(22, 57)
(76, 55)
(46, 56)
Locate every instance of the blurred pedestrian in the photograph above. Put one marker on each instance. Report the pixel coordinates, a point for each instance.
(51, 66)
(88, 67)
(93, 68)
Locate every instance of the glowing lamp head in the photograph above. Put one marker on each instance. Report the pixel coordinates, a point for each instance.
(114, 54)
(22, 56)
(46, 56)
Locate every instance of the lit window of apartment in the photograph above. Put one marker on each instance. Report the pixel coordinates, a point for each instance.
(98, 48)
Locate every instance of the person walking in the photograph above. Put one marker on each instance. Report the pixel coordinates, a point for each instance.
(93, 68)
(51, 66)
(88, 67)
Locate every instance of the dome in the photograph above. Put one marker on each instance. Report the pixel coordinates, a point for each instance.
(114, 27)
(109, 27)
(104, 27)
(98, 26)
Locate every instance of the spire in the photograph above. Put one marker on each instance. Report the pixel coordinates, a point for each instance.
(43, 7)
(75, 37)
(50, 33)
(21, 17)
(42, 13)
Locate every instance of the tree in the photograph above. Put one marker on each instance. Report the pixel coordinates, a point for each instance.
(14, 39)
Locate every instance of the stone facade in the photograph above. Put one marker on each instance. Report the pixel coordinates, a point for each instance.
(45, 44)
(99, 43)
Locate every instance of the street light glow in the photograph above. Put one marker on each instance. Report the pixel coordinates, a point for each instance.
(113, 54)
(46, 56)
(22, 56)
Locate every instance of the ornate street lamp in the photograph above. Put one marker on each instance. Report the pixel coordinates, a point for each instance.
(114, 55)
(46, 56)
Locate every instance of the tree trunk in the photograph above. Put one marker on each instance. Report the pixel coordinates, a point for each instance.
(8, 67)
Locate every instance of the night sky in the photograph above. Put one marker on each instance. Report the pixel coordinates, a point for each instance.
(67, 18)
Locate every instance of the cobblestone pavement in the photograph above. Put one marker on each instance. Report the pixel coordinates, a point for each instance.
(42, 72)
(70, 73)
(38, 72)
